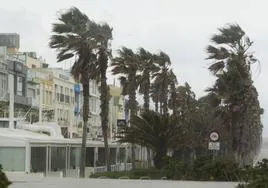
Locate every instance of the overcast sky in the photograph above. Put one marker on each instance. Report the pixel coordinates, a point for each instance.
(180, 28)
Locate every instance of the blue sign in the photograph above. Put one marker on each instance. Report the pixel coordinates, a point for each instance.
(77, 88)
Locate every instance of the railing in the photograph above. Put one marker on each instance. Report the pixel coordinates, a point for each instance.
(114, 168)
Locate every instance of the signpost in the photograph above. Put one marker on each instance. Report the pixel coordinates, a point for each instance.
(214, 144)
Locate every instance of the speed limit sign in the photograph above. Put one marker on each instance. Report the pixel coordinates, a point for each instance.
(214, 136)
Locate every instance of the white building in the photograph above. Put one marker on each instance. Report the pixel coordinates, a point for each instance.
(26, 150)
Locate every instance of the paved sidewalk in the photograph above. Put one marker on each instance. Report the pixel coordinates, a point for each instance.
(108, 183)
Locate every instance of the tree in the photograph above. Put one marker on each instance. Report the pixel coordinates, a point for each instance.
(155, 93)
(4, 182)
(238, 104)
(127, 64)
(74, 36)
(153, 130)
(186, 112)
(103, 53)
(162, 80)
(172, 103)
(148, 68)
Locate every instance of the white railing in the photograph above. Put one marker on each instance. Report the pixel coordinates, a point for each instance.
(114, 168)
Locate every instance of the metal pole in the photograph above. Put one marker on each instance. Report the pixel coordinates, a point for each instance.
(40, 102)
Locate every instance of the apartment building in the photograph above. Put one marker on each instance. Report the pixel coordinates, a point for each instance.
(116, 111)
(57, 96)
(94, 122)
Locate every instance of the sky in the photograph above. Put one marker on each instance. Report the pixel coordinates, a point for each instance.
(180, 28)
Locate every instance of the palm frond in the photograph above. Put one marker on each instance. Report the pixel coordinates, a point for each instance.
(216, 67)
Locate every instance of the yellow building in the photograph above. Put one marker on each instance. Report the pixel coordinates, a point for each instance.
(57, 96)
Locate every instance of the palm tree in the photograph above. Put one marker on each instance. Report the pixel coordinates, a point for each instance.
(153, 130)
(74, 36)
(103, 53)
(148, 68)
(185, 111)
(155, 93)
(172, 91)
(127, 64)
(161, 79)
(234, 86)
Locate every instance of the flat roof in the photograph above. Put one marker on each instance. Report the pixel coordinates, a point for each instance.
(24, 136)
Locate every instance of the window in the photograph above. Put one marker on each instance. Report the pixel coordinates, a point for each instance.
(50, 97)
(61, 89)
(33, 66)
(67, 97)
(19, 85)
(3, 84)
(93, 105)
(93, 87)
(46, 97)
(56, 90)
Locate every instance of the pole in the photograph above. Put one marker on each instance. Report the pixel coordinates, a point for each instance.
(40, 102)
(11, 100)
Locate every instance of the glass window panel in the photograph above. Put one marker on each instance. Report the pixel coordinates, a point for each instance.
(90, 156)
(38, 159)
(12, 158)
(58, 158)
(75, 157)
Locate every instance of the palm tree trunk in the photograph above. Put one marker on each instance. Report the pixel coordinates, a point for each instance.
(165, 97)
(133, 109)
(156, 106)
(104, 106)
(146, 95)
(161, 107)
(84, 137)
(146, 98)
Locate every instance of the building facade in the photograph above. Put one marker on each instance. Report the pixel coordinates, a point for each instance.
(116, 111)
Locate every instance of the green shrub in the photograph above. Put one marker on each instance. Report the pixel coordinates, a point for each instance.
(133, 174)
(202, 169)
(255, 177)
(4, 182)
(219, 169)
(175, 169)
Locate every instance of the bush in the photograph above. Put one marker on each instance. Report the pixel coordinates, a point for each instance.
(4, 182)
(202, 169)
(219, 169)
(133, 174)
(175, 169)
(256, 177)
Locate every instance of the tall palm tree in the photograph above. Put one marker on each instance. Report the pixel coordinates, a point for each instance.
(161, 79)
(127, 64)
(234, 86)
(104, 35)
(153, 130)
(74, 36)
(172, 91)
(148, 68)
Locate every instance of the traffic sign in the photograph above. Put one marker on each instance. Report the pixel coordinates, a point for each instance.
(214, 145)
(214, 136)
